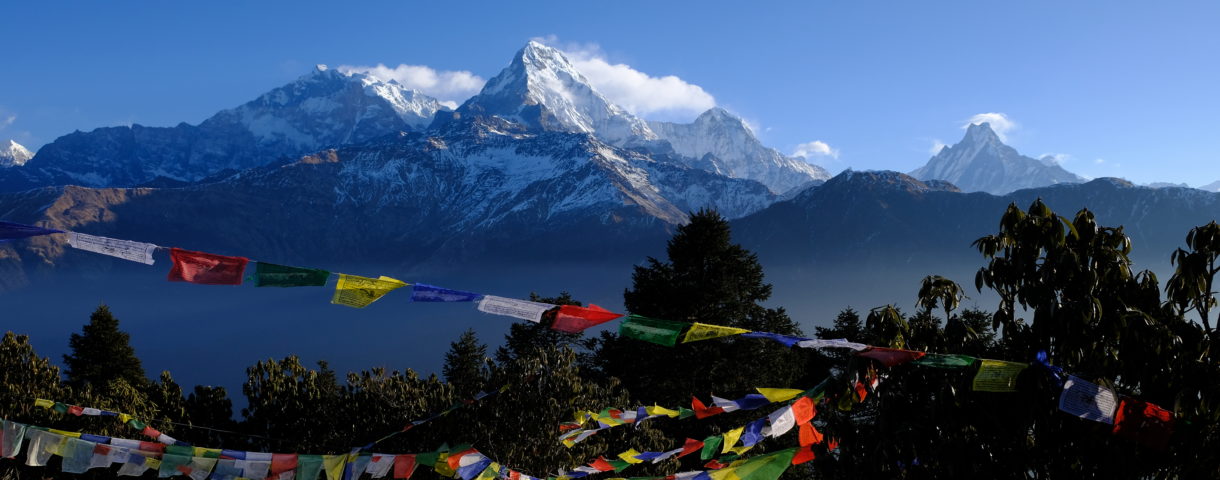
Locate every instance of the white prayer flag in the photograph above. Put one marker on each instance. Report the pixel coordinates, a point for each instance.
(511, 307)
(726, 404)
(1088, 400)
(835, 343)
(124, 249)
(380, 465)
(782, 421)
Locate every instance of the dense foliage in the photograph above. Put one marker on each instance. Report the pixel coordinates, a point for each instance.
(1067, 289)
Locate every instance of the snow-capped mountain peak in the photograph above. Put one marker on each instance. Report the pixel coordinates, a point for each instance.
(541, 89)
(13, 154)
(722, 142)
(982, 162)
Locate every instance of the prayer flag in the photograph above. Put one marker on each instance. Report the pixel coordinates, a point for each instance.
(782, 421)
(659, 410)
(803, 410)
(752, 401)
(835, 343)
(404, 466)
(730, 439)
(11, 438)
(941, 360)
(809, 434)
(356, 464)
(283, 462)
(726, 404)
(601, 465)
(170, 464)
(308, 467)
(652, 330)
(358, 292)
(1144, 422)
(1088, 400)
(997, 376)
(125, 249)
(272, 275)
(891, 356)
(574, 319)
(753, 432)
(629, 456)
(691, 446)
(77, 455)
(13, 231)
(711, 445)
(702, 411)
(803, 455)
(511, 307)
(490, 473)
(200, 467)
(333, 466)
(380, 465)
(205, 268)
(787, 340)
(765, 467)
(703, 331)
(429, 293)
(779, 394)
(42, 444)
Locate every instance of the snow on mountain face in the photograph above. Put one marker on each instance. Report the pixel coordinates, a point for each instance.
(321, 109)
(14, 155)
(543, 90)
(1212, 187)
(981, 162)
(720, 142)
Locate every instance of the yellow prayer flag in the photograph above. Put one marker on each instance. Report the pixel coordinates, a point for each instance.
(629, 456)
(740, 450)
(703, 331)
(658, 410)
(152, 463)
(490, 473)
(44, 403)
(66, 434)
(333, 466)
(359, 292)
(442, 466)
(730, 439)
(779, 394)
(727, 473)
(997, 376)
(124, 418)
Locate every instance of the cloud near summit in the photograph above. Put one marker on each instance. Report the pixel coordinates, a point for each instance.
(451, 87)
(636, 91)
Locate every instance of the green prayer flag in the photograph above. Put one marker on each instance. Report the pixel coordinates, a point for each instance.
(685, 412)
(711, 446)
(179, 450)
(59, 407)
(940, 360)
(308, 467)
(136, 424)
(170, 464)
(766, 467)
(428, 459)
(272, 275)
(619, 465)
(652, 330)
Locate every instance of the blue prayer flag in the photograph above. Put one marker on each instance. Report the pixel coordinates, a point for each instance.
(428, 293)
(13, 231)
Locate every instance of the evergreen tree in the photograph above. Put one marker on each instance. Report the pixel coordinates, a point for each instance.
(707, 279)
(465, 365)
(524, 339)
(101, 353)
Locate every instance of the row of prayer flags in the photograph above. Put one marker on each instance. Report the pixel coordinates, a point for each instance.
(350, 290)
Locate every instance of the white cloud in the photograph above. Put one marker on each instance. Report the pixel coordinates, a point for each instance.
(816, 148)
(636, 91)
(1056, 158)
(937, 146)
(450, 86)
(1099, 161)
(7, 120)
(1000, 123)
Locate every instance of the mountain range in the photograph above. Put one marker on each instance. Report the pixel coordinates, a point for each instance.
(14, 155)
(537, 169)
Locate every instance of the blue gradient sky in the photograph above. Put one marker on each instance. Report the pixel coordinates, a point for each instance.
(1119, 88)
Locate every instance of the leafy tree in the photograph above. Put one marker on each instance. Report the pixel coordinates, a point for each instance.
(465, 365)
(24, 376)
(1191, 286)
(102, 352)
(210, 407)
(292, 403)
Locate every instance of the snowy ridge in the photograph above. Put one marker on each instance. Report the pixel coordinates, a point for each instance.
(981, 162)
(543, 90)
(720, 142)
(14, 155)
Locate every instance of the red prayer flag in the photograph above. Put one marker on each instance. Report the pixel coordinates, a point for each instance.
(803, 455)
(151, 432)
(810, 435)
(601, 465)
(891, 356)
(832, 444)
(76, 410)
(100, 449)
(691, 446)
(404, 466)
(803, 410)
(1144, 422)
(714, 465)
(283, 462)
(455, 459)
(152, 446)
(206, 268)
(702, 411)
(574, 319)
(861, 392)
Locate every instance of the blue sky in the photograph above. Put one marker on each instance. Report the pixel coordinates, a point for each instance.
(1124, 89)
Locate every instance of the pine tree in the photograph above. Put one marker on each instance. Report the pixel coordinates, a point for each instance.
(101, 353)
(708, 279)
(466, 364)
